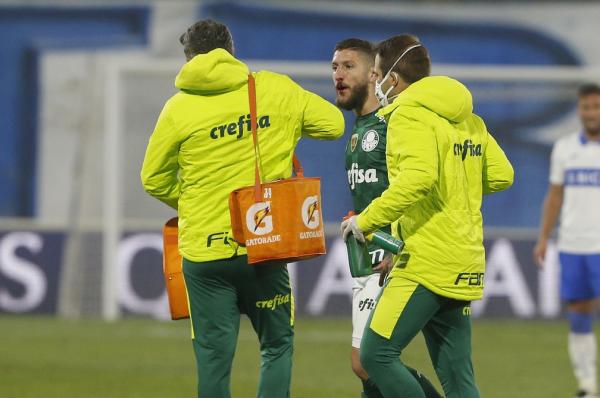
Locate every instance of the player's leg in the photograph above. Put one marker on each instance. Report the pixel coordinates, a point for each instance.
(267, 300)
(448, 339)
(582, 346)
(428, 388)
(215, 321)
(364, 296)
(578, 284)
(357, 368)
(582, 340)
(403, 309)
(370, 390)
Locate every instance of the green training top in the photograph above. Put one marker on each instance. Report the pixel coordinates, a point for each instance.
(366, 166)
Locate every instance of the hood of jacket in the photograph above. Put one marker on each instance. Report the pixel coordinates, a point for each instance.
(212, 73)
(442, 95)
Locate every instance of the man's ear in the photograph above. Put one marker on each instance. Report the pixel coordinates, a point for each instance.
(395, 79)
(372, 75)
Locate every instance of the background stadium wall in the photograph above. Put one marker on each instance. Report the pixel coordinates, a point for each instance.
(94, 77)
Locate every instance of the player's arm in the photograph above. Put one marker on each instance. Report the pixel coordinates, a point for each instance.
(551, 208)
(320, 118)
(415, 146)
(550, 212)
(498, 173)
(160, 167)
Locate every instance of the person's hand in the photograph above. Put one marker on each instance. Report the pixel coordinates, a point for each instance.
(539, 253)
(350, 226)
(384, 267)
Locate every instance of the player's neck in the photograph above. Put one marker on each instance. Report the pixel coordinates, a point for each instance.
(370, 105)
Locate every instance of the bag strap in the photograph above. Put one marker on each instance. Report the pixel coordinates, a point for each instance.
(253, 127)
(298, 170)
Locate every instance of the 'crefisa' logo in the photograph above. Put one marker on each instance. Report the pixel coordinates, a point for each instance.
(237, 128)
(467, 148)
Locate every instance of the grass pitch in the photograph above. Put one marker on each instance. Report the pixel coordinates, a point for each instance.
(48, 357)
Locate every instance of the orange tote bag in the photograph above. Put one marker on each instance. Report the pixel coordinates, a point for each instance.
(280, 220)
(172, 262)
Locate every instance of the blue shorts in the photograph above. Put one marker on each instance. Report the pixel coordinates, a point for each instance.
(579, 276)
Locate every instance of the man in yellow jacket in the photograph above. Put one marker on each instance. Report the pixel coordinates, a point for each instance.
(200, 151)
(441, 160)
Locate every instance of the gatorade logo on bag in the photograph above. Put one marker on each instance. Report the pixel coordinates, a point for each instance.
(310, 212)
(259, 221)
(311, 218)
(258, 218)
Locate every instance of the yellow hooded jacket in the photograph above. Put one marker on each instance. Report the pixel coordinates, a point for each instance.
(441, 160)
(201, 148)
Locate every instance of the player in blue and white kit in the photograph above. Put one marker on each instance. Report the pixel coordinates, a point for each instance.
(574, 193)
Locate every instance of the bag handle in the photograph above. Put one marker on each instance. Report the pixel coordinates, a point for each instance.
(298, 170)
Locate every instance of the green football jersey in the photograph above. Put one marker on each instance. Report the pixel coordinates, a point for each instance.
(366, 166)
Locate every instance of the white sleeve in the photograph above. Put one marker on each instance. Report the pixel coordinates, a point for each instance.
(557, 165)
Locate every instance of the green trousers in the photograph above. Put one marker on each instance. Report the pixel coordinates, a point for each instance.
(219, 291)
(403, 310)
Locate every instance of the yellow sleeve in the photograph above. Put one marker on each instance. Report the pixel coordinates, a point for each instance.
(413, 145)
(320, 119)
(498, 173)
(160, 167)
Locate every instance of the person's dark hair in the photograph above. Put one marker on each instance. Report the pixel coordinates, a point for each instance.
(205, 36)
(363, 46)
(588, 89)
(415, 64)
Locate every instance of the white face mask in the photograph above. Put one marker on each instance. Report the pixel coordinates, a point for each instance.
(379, 94)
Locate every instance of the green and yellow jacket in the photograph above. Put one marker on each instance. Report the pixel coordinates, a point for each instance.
(441, 160)
(201, 148)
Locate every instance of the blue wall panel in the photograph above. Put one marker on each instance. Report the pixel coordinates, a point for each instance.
(25, 30)
(277, 33)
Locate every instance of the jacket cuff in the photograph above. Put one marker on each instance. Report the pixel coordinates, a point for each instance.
(363, 224)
